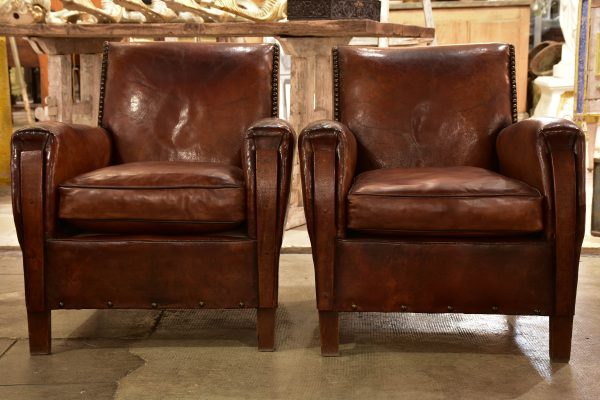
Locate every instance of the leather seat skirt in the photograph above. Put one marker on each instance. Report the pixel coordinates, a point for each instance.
(157, 197)
(443, 201)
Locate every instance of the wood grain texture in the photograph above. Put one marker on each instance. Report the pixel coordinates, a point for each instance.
(246, 29)
(481, 23)
(329, 327)
(265, 329)
(312, 99)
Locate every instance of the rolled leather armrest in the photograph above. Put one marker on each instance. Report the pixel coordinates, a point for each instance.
(319, 138)
(328, 163)
(267, 161)
(525, 153)
(62, 151)
(549, 154)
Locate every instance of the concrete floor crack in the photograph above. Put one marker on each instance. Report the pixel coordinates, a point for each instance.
(156, 323)
(8, 348)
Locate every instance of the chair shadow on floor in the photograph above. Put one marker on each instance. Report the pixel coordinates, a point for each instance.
(198, 328)
(493, 335)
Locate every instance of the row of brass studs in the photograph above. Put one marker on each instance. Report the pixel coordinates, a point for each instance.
(275, 83)
(103, 82)
(110, 304)
(404, 308)
(513, 82)
(336, 83)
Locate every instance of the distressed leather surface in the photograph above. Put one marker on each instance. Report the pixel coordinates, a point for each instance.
(134, 272)
(443, 201)
(175, 119)
(68, 150)
(430, 275)
(418, 117)
(156, 197)
(267, 164)
(524, 153)
(187, 102)
(434, 106)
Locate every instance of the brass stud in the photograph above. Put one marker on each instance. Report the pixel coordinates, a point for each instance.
(154, 305)
(495, 308)
(61, 304)
(242, 304)
(450, 309)
(103, 74)
(201, 304)
(275, 83)
(109, 304)
(403, 308)
(354, 307)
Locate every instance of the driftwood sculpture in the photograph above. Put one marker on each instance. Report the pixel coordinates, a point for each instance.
(136, 11)
(19, 12)
(156, 12)
(271, 10)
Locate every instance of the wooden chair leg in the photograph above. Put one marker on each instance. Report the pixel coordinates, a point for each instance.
(39, 332)
(330, 333)
(265, 328)
(561, 330)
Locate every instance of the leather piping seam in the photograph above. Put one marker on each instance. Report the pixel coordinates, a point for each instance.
(100, 239)
(103, 83)
(149, 187)
(489, 233)
(558, 129)
(461, 243)
(43, 150)
(153, 221)
(513, 83)
(45, 132)
(533, 197)
(275, 83)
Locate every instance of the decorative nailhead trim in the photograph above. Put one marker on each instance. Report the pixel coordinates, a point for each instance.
(513, 82)
(103, 82)
(336, 83)
(275, 83)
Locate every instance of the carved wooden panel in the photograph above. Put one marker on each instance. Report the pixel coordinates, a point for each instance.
(334, 9)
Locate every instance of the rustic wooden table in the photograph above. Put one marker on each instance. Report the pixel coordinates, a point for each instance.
(308, 42)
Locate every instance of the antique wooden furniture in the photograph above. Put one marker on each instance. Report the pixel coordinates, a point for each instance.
(456, 22)
(176, 200)
(425, 195)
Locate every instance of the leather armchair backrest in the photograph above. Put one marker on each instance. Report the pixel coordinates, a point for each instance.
(427, 106)
(185, 101)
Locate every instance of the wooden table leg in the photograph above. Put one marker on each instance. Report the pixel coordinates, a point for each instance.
(311, 99)
(60, 87)
(592, 125)
(62, 106)
(90, 69)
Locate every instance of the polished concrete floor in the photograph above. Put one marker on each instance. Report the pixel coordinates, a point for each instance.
(212, 355)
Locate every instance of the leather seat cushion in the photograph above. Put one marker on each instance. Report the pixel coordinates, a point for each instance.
(443, 201)
(156, 197)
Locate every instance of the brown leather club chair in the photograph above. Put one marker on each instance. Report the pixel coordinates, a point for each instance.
(426, 195)
(177, 200)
